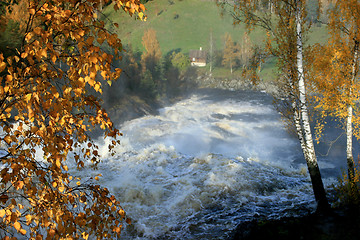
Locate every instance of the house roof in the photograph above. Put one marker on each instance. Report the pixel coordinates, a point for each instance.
(197, 54)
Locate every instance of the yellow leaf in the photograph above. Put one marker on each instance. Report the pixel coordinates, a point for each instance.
(2, 213)
(97, 87)
(23, 231)
(93, 59)
(81, 32)
(17, 226)
(62, 188)
(32, 11)
(78, 183)
(43, 53)
(28, 97)
(20, 185)
(24, 54)
(2, 66)
(28, 219)
(118, 70)
(85, 235)
(91, 82)
(9, 78)
(58, 163)
(53, 58)
(28, 36)
(121, 212)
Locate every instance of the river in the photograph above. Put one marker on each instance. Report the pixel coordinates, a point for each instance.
(206, 163)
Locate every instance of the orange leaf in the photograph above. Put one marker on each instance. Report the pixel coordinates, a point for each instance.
(2, 213)
(32, 11)
(17, 226)
(53, 58)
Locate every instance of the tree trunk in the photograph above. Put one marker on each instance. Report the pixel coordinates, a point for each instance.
(309, 150)
(349, 131)
(299, 131)
(349, 155)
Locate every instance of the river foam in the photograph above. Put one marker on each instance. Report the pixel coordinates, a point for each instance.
(205, 164)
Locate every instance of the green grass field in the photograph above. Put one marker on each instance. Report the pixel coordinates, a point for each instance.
(184, 25)
(187, 24)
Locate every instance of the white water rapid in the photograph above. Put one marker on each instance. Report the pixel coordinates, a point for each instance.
(205, 164)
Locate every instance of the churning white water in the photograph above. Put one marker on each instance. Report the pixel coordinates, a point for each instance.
(205, 164)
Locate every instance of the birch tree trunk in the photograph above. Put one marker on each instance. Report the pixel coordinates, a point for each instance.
(349, 131)
(297, 121)
(349, 135)
(309, 150)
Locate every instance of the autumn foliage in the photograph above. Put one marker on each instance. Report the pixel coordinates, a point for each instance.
(46, 110)
(152, 53)
(231, 52)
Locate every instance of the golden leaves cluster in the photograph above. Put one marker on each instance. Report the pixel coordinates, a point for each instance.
(46, 108)
(335, 66)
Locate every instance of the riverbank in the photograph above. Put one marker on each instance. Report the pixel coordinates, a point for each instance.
(130, 105)
(233, 84)
(340, 224)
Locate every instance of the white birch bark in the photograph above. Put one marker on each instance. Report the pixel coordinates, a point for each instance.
(349, 129)
(349, 133)
(309, 145)
(299, 131)
(309, 152)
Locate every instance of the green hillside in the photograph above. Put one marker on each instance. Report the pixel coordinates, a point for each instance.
(180, 24)
(188, 24)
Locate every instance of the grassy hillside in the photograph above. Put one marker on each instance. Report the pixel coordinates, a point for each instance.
(188, 24)
(180, 24)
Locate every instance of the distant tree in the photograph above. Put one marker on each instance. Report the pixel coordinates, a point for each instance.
(13, 20)
(46, 112)
(148, 85)
(180, 61)
(152, 54)
(151, 60)
(17, 11)
(231, 52)
(132, 68)
(211, 55)
(246, 50)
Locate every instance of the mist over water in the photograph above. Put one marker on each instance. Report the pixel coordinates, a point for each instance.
(205, 164)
